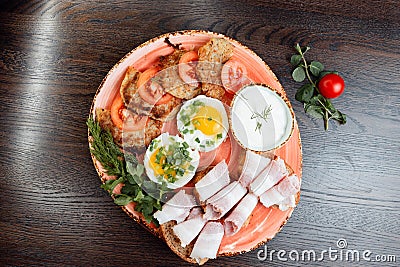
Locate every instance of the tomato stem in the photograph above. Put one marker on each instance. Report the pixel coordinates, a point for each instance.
(326, 120)
(327, 110)
(306, 69)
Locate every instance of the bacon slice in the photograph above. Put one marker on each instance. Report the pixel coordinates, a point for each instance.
(290, 185)
(188, 230)
(240, 214)
(254, 164)
(177, 208)
(288, 202)
(208, 242)
(269, 177)
(213, 181)
(219, 204)
(195, 212)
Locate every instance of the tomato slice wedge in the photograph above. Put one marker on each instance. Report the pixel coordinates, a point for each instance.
(187, 68)
(146, 75)
(117, 107)
(134, 122)
(123, 119)
(234, 76)
(164, 99)
(151, 91)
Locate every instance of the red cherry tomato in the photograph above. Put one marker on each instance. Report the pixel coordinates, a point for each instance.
(234, 76)
(187, 70)
(151, 92)
(331, 85)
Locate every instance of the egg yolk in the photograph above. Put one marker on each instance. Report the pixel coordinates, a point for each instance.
(157, 165)
(208, 120)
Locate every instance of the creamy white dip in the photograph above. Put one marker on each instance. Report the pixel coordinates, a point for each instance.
(261, 120)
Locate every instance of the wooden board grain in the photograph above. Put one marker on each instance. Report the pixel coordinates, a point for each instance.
(53, 56)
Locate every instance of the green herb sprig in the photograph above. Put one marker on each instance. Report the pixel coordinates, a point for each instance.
(263, 116)
(314, 103)
(136, 186)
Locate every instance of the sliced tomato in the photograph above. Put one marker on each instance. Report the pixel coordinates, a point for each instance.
(151, 91)
(187, 68)
(164, 99)
(116, 111)
(146, 75)
(134, 122)
(119, 115)
(223, 152)
(234, 76)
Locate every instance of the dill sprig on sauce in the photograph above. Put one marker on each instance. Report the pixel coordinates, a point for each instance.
(261, 116)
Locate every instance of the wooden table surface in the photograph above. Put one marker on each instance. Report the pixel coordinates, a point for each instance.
(53, 56)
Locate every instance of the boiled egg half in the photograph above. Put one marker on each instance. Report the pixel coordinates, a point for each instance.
(203, 123)
(169, 159)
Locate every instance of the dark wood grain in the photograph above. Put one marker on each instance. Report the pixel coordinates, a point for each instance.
(53, 56)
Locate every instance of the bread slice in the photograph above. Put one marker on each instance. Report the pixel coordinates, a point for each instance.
(174, 243)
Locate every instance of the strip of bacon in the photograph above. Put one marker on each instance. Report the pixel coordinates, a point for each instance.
(208, 242)
(219, 204)
(188, 230)
(290, 185)
(177, 208)
(269, 177)
(254, 164)
(240, 214)
(288, 202)
(195, 212)
(216, 179)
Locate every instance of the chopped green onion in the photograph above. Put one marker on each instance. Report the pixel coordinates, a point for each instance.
(198, 103)
(180, 171)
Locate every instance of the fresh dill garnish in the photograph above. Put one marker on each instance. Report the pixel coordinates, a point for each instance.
(136, 186)
(258, 126)
(261, 116)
